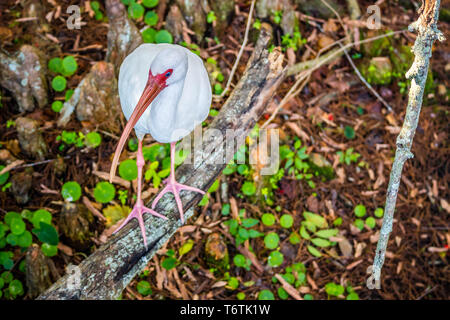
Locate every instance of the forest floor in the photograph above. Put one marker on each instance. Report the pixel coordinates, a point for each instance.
(337, 147)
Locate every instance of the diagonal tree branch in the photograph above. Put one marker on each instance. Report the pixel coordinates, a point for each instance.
(105, 273)
(426, 26)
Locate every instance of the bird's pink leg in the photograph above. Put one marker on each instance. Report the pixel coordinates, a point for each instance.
(139, 209)
(173, 186)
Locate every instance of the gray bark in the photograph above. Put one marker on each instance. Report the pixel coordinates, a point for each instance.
(105, 273)
(426, 25)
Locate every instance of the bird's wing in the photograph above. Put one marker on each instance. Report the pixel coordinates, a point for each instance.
(195, 102)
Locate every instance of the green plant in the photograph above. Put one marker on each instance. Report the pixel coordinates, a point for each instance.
(248, 188)
(151, 18)
(150, 3)
(57, 106)
(348, 156)
(379, 212)
(241, 261)
(211, 17)
(286, 221)
(93, 139)
(268, 219)
(370, 222)
(163, 36)
(271, 240)
(148, 35)
(135, 10)
(266, 295)
(69, 66)
(59, 83)
(334, 289)
(277, 16)
(128, 169)
(95, 6)
(104, 192)
(71, 191)
(170, 261)
(143, 287)
(360, 210)
(349, 132)
(55, 65)
(275, 259)
(3, 177)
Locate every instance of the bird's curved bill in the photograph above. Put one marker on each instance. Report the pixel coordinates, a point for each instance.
(151, 90)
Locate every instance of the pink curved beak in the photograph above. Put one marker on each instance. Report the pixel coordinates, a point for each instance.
(151, 90)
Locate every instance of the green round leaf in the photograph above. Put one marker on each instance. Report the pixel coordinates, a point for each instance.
(308, 297)
(379, 212)
(150, 3)
(3, 177)
(95, 5)
(294, 238)
(240, 296)
(276, 258)
(286, 221)
(7, 276)
(148, 35)
(151, 18)
(268, 219)
(334, 289)
(359, 224)
(47, 233)
(98, 15)
(128, 169)
(163, 36)
(271, 240)
(59, 83)
(370, 222)
(353, 296)
(136, 11)
(16, 288)
(104, 192)
(2, 283)
(57, 106)
(93, 139)
(49, 250)
(143, 287)
(169, 263)
(248, 188)
(55, 65)
(71, 191)
(39, 216)
(133, 144)
(25, 239)
(360, 210)
(240, 260)
(12, 239)
(282, 293)
(17, 226)
(69, 94)
(349, 132)
(69, 65)
(266, 295)
(9, 216)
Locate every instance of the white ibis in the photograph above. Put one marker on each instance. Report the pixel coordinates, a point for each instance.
(164, 90)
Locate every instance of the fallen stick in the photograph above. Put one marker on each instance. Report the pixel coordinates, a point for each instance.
(426, 25)
(106, 272)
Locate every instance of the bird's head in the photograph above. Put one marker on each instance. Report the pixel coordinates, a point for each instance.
(169, 66)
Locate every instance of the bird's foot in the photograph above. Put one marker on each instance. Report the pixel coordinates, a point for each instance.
(175, 188)
(138, 210)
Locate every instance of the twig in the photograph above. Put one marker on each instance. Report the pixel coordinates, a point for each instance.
(350, 60)
(241, 50)
(308, 67)
(427, 33)
(289, 289)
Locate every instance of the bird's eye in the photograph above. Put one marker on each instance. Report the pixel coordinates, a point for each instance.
(168, 74)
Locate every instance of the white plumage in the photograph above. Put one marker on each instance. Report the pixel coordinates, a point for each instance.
(164, 90)
(181, 106)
